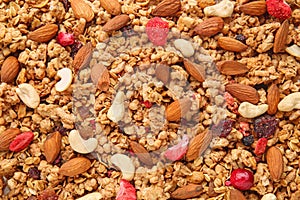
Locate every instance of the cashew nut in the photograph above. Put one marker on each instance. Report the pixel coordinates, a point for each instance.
(222, 9)
(66, 79)
(294, 50)
(28, 95)
(249, 110)
(269, 196)
(185, 47)
(117, 109)
(80, 145)
(290, 102)
(125, 164)
(91, 196)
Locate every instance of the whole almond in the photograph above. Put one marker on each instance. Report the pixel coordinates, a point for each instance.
(52, 146)
(75, 166)
(167, 8)
(236, 195)
(113, 7)
(281, 37)
(7, 136)
(254, 8)
(231, 67)
(10, 69)
(198, 145)
(231, 44)
(195, 70)
(116, 23)
(44, 33)
(209, 27)
(82, 10)
(187, 191)
(141, 153)
(243, 92)
(275, 163)
(162, 72)
(83, 57)
(273, 98)
(100, 76)
(177, 109)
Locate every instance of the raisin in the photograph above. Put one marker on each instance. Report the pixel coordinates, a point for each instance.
(223, 128)
(248, 140)
(34, 173)
(265, 126)
(66, 5)
(241, 38)
(128, 31)
(74, 48)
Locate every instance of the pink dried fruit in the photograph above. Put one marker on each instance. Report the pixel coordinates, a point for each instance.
(177, 151)
(230, 102)
(261, 146)
(223, 128)
(244, 128)
(279, 9)
(147, 104)
(241, 179)
(157, 31)
(127, 191)
(65, 39)
(21, 141)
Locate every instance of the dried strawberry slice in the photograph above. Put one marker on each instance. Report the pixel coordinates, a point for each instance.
(177, 151)
(21, 141)
(261, 146)
(157, 31)
(127, 191)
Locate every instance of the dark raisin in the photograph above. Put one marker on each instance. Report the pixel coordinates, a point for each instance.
(128, 31)
(223, 128)
(66, 5)
(57, 161)
(259, 86)
(74, 48)
(34, 173)
(241, 38)
(62, 130)
(265, 126)
(248, 140)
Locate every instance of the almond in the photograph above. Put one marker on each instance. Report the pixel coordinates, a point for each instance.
(100, 76)
(236, 195)
(281, 37)
(187, 191)
(177, 109)
(52, 146)
(141, 153)
(231, 67)
(198, 145)
(44, 33)
(231, 44)
(162, 72)
(7, 137)
(82, 57)
(275, 163)
(254, 8)
(82, 10)
(10, 69)
(113, 7)
(209, 27)
(243, 92)
(116, 23)
(75, 166)
(273, 98)
(195, 70)
(167, 8)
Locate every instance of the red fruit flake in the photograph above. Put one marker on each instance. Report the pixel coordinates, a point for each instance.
(147, 104)
(126, 192)
(21, 141)
(279, 9)
(244, 128)
(241, 179)
(261, 146)
(177, 151)
(65, 39)
(230, 102)
(223, 128)
(157, 31)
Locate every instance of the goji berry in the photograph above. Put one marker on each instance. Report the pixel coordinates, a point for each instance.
(177, 151)
(157, 31)
(21, 141)
(261, 146)
(126, 192)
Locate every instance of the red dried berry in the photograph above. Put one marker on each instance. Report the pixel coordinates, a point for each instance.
(261, 146)
(21, 141)
(241, 179)
(177, 151)
(126, 192)
(279, 9)
(65, 39)
(265, 126)
(157, 31)
(147, 104)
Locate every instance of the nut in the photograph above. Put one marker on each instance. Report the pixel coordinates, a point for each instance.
(209, 27)
(178, 109)
(10, 69)
(113, 7)
(243, 92)
(66, 79)
(7, 136)
(167, 8)
(198, 145)
(125, 164)
(80, 145)
(254, 8)
(196, 71)
(223, 9)
(75, 166)
(28, 95)
(294, 50)
(231, 44)
(162, 72)
(281, 37)
(44, 33)
(269, 196)
(273, 99)
(52, 146)
(100, 76)
(141, 153)
(290, 102)
(116, 111)
(91, 196)
(82, 10)
(82, 57)
(236, 195)
(248, 110)
(116, 23)
(185, 47)
(231, 67)
(275, 163)
(187, 191)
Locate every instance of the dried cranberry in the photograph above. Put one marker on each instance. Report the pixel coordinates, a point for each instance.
(128, 31)
(265, 126)
(248, 140)
(177, 151)
(126, 192)
(62, 130)
(48, 194)
(223, 128)
(241, 38)
(34, 173)
(261, 146)
(241, 179)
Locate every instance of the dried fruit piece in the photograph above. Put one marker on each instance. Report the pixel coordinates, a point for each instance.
(82, 10)
(241, 179)
(157, 31)
(167, 8)
(223, 128)
(279, 9)
(243, 92)
(231, 44)
(248, 140)
(273, 98)
(10, 69)
(177, 109)
(116, 23)
(126, 191)
(254, 8)
(187, 191)
(34, 173)
(52, 146)
(281, 37)
(177, 151)
(75, 166)
(198, 145)
(275, 163)
(21, 141)
(260, 147)
(65, 39)
(209, 27)
(231, 67)
(44, 33)
(141, 153)
(48, 194)
(265, 126)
